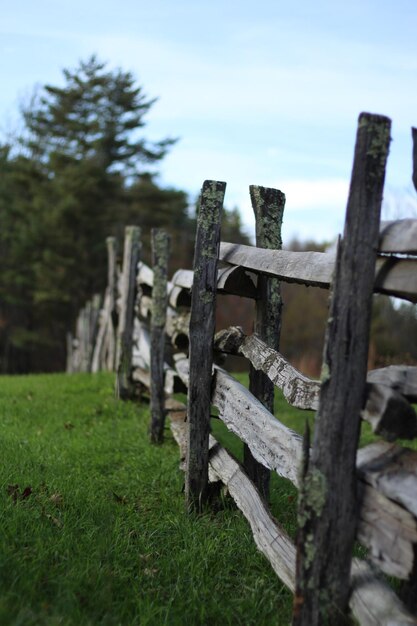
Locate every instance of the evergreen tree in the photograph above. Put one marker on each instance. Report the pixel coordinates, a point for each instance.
(70, 181)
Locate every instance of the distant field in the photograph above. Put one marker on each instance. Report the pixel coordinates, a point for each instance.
(93, 527)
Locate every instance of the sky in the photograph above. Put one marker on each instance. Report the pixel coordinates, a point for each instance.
(265, 92)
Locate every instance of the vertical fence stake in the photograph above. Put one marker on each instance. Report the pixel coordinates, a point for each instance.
(126, 319)
(328, 498)
(160, 252)
(268, 206)
(202, 327)
(70, 353)
(112, 289)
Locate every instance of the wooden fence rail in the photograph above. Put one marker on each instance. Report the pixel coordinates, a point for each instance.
(380, 479)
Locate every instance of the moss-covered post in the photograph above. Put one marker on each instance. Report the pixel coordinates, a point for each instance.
(160, 252)
(268, 206)
(328, 498)
(202, 327)
(127, 305)
(112, 323)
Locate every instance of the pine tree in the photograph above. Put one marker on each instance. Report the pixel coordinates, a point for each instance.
(66, 185)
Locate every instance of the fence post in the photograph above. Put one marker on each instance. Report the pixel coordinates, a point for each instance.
(94, 321)
(126, 318)
(70, 354)
(328, 497)
(202, 327)
(112, 289)
(160, 252)
(268, 206)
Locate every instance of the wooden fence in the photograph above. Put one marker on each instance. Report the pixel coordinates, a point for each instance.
(159, 336)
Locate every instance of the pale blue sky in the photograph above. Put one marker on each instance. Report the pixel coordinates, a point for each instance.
(264, 92)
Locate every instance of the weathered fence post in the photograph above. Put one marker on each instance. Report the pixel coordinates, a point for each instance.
(202, 327)
(126, 318)
(268, 206)
(328, 499)
(85, 337)
(70, 354)
(93, 322)
(160, 252)
(111, 243)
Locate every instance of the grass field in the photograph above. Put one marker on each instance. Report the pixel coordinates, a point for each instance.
(93, 526)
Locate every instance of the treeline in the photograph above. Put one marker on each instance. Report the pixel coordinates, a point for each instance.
(79, 171)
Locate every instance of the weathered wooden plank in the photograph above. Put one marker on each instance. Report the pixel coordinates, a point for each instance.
(144, 278)
(230, 280)
(127, 303)
(397, 277)
(393, 276)
(392, 470)
(388, 412)
(160, 254)
(307, 268)
(237, 281)
(202, 326)
(372, 602)
(141, 352)
(385, 524)
(398, 236)
(179, 298)
(299, 390)
(328, 496)
(274, 445)
(268, 206)
(271, 539)
(142, 376)
(401, 378)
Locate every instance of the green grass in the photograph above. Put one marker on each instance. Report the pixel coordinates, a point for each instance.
(93, 525)
(101, 536)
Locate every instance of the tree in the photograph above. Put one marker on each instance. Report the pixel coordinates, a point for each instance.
(94, 117)
(71, 180)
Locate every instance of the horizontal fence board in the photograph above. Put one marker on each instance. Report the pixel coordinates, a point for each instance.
(398, 236)
(274, 445)
(394, 276)
(387, 410)
(372, 601)
(230, 279)
(309, 268)
(391, 469)
(402, 378)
